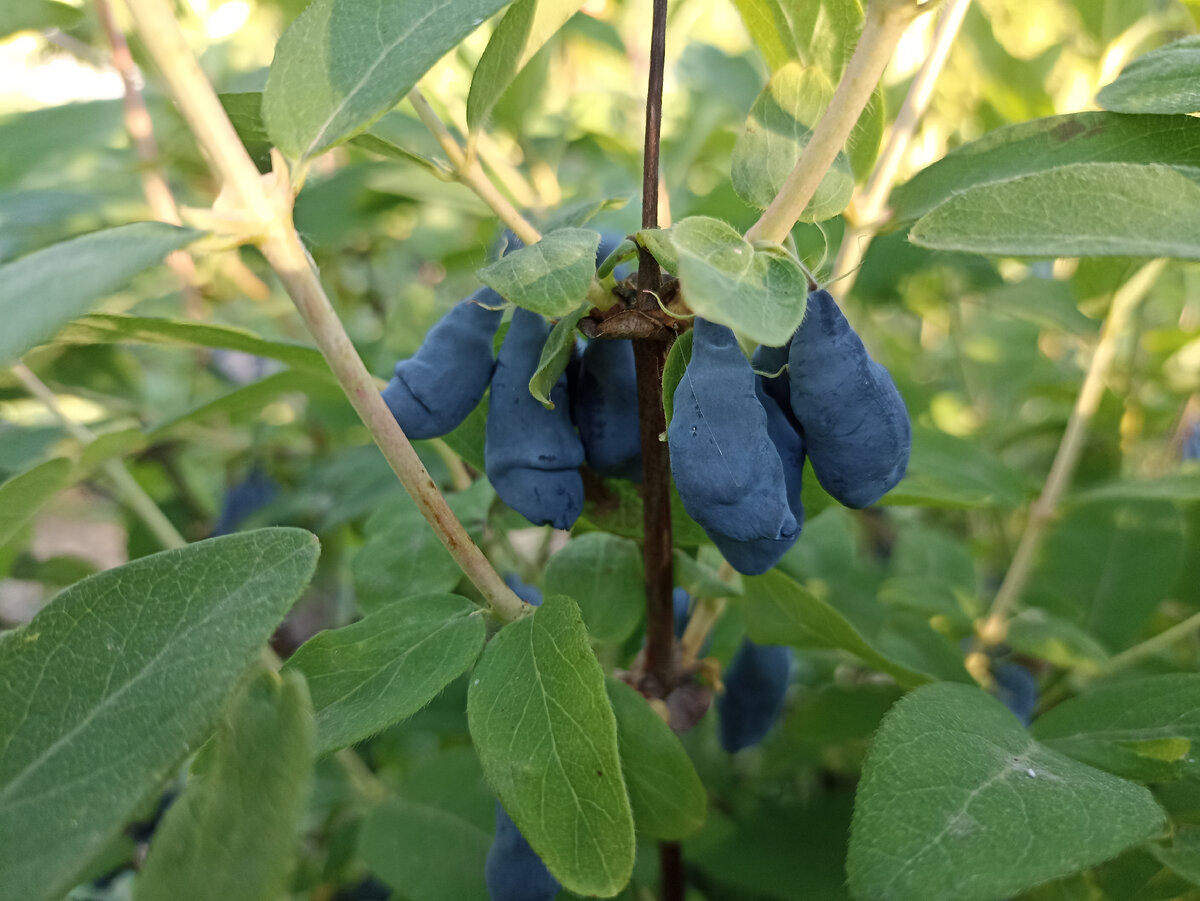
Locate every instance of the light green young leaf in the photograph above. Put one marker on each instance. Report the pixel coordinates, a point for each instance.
(22, 495)
(757, 293)
(1163, 81)
(778, 129)
(384, 668)
(661, 245)
(1036, 633)
(556, 353)
(604, 574)
(19, 15)
(344, 63)
(547, 738)
(149, 652)
(818, 33)
(43, 291)
(678, 358)
(403, 557)
(233, 834)
(425, 852)
(1145, 729)
(701, 581)
(1081, 210)
(958, 802)
(779, 610)
(668, 799)
(1108, 564)
(1046, 144)
(101, 328)
(525, 28)
(550, 277)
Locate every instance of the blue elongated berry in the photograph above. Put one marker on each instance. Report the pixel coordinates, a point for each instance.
(604, 404)
(755, 689)
(727, 470)
(532, 454)
(438, 386)
(1191, 442)
(1016, 689)
(682, 602)
(782, 426)
(243, 500)
(856, 428)
(513, 870)
(530, 594)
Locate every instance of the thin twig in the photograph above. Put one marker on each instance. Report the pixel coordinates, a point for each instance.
(885, 23)
(130, 492)
(869, 206)
(264, 205)
(470, 173)
(994, 629)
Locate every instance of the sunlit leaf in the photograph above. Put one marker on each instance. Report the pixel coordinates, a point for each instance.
(1162, 81)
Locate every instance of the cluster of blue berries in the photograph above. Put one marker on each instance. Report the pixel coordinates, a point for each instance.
(739, 440)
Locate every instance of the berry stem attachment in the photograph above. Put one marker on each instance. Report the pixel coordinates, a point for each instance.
(258, 200)
(885, 23)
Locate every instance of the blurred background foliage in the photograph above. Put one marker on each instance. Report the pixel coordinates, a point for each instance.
(988, 353)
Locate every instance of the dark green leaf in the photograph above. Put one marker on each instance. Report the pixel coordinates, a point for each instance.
(546, 735)
(668, 799)
(604, 574)
(957, 801)
(779, 610)
(615, 505)
(1081, 210)
(109, 686)
(43, 291)
(382, 669)
(233, 834)
(1166, 80)
(1044, 145)
(678, 358)
(21, 496)
(344, 63)
(245, 114)
(1144, 729)
(550, 277)
(556, 353)
(946, 471)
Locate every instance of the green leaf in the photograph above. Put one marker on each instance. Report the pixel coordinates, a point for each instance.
(816, 32)
(547, 739)
(556, 353)
(678, 358)
(757, 293)
(779, 127)
(468, 438)
(523, 31)
(1143, 729)
(1082, 210)
(604, 574)
(1166, 80)
(384, 668)
(1039, 634)
(102, 328)
(35, 15)
(1183, 855)
(550, 277)
(44, 290)
(626, 250)
(778, 610)
(957, 801)
(661, 245)
(668, 799)
(112, 683)
(22, 495)
(1107, 565)
(701, 581)
(1044, 145)
(615, 505)
(425, 852)
(344, 63)
(1181, 487)
(403, 557)
(946, 471)
(245, 115)
(233, 834)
